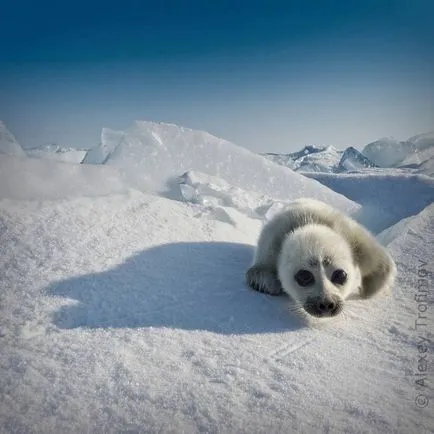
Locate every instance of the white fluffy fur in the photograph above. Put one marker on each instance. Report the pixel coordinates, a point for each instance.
(313, 236)
(319, 242)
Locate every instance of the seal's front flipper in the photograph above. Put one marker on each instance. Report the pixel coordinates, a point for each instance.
(263, 278)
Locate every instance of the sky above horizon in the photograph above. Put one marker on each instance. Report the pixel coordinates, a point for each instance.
(269, 76)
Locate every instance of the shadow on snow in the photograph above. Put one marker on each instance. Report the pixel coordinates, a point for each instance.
(191, 286)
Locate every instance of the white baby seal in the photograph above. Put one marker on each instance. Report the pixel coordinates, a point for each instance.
(318, 256)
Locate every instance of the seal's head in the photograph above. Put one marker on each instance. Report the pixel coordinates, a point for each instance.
(316, 268)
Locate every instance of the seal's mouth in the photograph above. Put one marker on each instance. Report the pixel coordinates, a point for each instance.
(324, 307)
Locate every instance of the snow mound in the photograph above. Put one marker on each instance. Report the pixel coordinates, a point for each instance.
(410, 225)
(422, 141)
(45, 179)
(411, 242)
(386, 152)
(310, 159)
(152, 156)
(322, 159)
(58, 153)
(110, 139)
(416, 153)
(213, 195)
(8, 143)
(352, 159)
(420, 162)
(307, 150)
(325, 160)
(282, 159)
(386, 196)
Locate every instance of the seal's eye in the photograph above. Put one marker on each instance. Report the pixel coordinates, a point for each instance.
(339, 277)
(304, 278)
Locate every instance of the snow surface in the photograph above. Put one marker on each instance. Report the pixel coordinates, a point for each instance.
(125, 311)
(58, 153)
(110, 139)
(416, 153)
(386, 196)
(352, 159)
(45, 179)
(8, 143)
(386, 152)
(322, 159)
(153, 155)
(310, 159)
(215, 194)
(421, 161)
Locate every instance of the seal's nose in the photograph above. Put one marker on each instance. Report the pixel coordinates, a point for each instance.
(329, 305)
(326, 305)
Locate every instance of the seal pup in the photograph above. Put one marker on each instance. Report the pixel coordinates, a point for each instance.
(319, 256)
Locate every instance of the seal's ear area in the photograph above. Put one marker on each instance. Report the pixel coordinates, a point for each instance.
(380, 280)
(376, 265)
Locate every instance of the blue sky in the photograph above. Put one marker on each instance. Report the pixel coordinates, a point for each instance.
(268, 75)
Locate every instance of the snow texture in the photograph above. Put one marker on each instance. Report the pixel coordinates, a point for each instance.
(352, 159)
(125, 311)
(310, 159)
(416, 153)
(401, 194)
(58, 153)
(214, 193)
(45, 179)
(322, 159)
(110, 139)
(153, 155)
(421, 161)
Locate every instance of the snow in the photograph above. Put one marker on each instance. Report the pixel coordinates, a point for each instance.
(322, 159)
(423, 141)
(124, 309)
(215, 193)
(352, 159)
(153, 155)
(310, 159)
(8, 143)
(110, 139)
(421, 161)
(58, 153)
(416, 153)
(385, 152)
(401, 194)
(45, 179)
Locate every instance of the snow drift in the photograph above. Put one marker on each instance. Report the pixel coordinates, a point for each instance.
(58, 153)
(400, 195)
(322, 159)
(310, 159)
(213, 194)
(352, 159)
(416, 153)
(153, 155)
(30, 178)
(123, 311)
